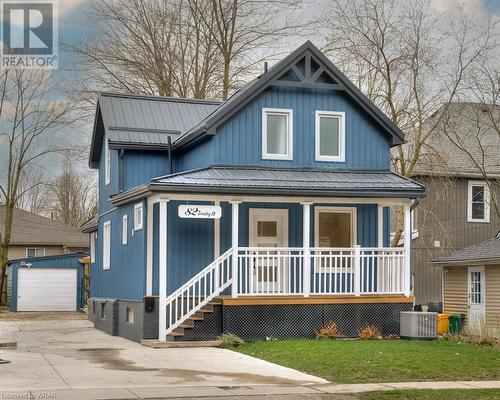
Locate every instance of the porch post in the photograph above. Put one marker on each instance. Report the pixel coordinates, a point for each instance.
(306, 238)
(162, 273)
(380, 225)
(234, 245)
(407, 247)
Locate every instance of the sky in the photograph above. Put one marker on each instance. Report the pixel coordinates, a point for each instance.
(75, 26)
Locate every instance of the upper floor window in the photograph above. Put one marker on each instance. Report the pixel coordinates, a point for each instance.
(138, 217)
(93, 237)
(35, 252)
(125, 229)
(478, 202)
(107, 163)
(106, 245)
(277, 134)
(330, 136)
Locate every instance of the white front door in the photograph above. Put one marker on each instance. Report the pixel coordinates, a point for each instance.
(268, 229)
(476, 297)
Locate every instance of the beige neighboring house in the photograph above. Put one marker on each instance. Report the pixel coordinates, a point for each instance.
(37, 236)
(471, 284)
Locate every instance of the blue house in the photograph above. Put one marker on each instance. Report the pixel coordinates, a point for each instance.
(264, 215)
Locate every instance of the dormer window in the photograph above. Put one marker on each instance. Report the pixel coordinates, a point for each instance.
(330, 136)
(277, 134)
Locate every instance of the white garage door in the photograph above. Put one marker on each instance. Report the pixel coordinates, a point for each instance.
(46, 289)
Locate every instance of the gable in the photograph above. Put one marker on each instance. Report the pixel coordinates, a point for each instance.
(306, 67)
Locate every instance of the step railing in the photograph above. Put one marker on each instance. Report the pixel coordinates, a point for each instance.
(192, 296)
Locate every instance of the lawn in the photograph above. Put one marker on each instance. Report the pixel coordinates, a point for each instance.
(455, 394)
(363, 361)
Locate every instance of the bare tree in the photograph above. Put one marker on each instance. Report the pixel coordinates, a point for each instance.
(33, 191)
(29, 118)
(73, 196)
(408, 67)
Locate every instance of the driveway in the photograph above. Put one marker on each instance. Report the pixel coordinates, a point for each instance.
(71, 354)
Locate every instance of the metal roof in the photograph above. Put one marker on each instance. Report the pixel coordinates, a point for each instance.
(291, 181)
(488, 250)
(256, 86)
(144, 120)
(91, 225)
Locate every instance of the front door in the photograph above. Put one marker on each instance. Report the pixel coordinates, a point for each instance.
(268, 230)
(476, 298)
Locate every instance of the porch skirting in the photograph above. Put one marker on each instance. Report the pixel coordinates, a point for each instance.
(260, 317)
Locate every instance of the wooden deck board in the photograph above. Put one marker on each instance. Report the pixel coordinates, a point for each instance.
(269, 300)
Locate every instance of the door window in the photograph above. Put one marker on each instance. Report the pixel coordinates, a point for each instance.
(475, 288)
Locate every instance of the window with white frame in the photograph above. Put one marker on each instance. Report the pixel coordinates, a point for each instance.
(107, 163)
(138, 217)
(478, 202)
(277, 134)
(93, 237)
(35, 252)
(125, 229)
(330, 136)
(106, 245)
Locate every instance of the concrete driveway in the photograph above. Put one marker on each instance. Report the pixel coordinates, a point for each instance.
(71, 354)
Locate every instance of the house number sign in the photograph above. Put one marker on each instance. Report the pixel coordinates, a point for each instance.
(194, 211)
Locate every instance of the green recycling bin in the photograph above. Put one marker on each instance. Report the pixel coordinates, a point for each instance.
(456, 323)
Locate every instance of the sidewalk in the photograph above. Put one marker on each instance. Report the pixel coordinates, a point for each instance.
(237, 391)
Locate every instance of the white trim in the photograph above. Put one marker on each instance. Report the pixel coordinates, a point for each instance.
(124, 229)
(92, 247)
(289, 115)
(380, 225)
(216, 234)
(35, 248)
(107, 162)
(106, 245)
(162, 272)
(340, 115)
(234, 245)
(480, 308)
(306, 243)
(407, 247)
(486, 218)
(138, 221)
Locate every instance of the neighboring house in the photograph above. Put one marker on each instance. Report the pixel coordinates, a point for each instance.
(471, 285)
(37, 236)
(457, 211)
(267, 216)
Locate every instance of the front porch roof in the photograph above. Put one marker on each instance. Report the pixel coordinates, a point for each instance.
(280, 181)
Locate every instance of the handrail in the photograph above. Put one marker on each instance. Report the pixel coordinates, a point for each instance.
(199, 290)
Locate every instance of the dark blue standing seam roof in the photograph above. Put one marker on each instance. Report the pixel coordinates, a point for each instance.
(291, 181)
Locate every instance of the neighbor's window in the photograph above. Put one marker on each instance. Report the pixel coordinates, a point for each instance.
(107, 163)
(93, 237)
(138, 216)
(35, 252)
(330, 136)
(478, 202)
(124, 229)
(106, 245)
(277, 134)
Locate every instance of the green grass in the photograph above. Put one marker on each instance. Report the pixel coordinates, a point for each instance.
(452, 394)
(362, 361)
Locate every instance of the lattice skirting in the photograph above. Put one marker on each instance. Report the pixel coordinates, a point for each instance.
(296, 320)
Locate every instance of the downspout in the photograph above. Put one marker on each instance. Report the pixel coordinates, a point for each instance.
(170, 168)
(120, 170)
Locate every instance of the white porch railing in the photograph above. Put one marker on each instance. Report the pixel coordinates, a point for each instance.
(334, 271)
(198, 291)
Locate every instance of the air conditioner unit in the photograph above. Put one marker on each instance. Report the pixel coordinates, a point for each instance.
(418, 325)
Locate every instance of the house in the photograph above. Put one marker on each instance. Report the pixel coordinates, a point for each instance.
(458, 211)
(265, 215)
(471, 285)
(36, 236)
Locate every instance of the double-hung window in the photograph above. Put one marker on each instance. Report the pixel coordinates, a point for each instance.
(478, 202)
(93, 237)
(138, 216)
(277, 134)
(106, 245)
(107, 163)
(330, 136)
(125, 229)
(35, 252)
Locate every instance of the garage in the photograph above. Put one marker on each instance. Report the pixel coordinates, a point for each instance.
(47, 283)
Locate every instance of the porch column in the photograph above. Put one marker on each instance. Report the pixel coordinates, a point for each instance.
(407, 247)
(234, 245)
(149, 247)
(306, 238)
(162, 273)
(380, 225)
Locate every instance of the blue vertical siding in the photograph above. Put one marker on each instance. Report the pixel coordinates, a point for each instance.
(142, 166)
(238, 141)
(196, 157)
(126, 278)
